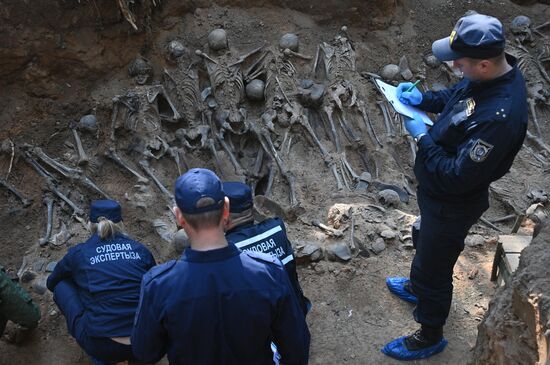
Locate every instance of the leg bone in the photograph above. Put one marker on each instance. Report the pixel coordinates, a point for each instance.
(145, 166)
(111, 153)
(49, 204)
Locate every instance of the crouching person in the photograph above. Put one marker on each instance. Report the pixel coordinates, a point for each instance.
(216, 305)
(96, 285)
(268, 236)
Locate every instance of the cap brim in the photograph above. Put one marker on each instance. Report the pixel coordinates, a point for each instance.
(441, 49)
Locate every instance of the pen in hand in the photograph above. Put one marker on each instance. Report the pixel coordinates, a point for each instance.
(412, 86)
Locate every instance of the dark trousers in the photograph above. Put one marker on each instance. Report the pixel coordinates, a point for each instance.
(438, 244)
(102, 348)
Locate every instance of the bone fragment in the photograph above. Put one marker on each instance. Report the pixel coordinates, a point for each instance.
(49, 204)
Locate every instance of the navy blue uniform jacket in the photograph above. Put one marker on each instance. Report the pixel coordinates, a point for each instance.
(108, 274)
(219, 307)
(479, 131)
(269, 237)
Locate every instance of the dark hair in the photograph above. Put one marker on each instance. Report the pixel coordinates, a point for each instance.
(204, 220)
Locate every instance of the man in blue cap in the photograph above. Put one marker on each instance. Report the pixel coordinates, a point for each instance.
(96, 285)
(268, 236)
(480, 128)
(217, 304)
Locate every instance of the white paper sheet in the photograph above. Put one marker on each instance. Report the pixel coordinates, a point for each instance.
(390, 93)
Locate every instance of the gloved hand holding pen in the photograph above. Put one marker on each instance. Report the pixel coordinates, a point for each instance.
(408, 93)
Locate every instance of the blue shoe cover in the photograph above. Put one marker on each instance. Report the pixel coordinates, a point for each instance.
(399, 351)
(397, 287)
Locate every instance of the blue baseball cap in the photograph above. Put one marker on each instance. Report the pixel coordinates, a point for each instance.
(108, 208)
(475, 36)
(240, 196)
(196, 184)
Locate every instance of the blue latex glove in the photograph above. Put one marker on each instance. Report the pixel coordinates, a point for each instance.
(410, 98)
(416, 126)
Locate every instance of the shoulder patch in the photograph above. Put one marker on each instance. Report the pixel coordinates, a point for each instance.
(158, 270)
(480, 150)
(264, 257)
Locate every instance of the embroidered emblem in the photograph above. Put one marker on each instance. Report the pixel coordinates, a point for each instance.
(470, 106)
(452, 36)
(480, 151)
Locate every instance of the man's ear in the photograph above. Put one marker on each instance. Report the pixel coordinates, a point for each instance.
(179, 217)
(485, 65)
(225, 214)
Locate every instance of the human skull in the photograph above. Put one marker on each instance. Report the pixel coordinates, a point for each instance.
(290, 41)
(217, 40)
(88, 123)
(141, 70)
(521, 28)
(255, 90)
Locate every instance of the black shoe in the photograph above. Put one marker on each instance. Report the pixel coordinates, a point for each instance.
(424, 338)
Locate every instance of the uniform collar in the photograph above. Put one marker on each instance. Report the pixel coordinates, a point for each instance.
(240, 227)
(218, 254)
(512, 61)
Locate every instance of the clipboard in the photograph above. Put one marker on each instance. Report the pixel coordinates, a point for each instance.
(390, 93)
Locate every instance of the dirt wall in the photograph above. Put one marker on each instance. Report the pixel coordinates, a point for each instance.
(516, 327)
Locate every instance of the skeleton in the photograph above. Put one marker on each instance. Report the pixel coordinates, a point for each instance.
(183, 84)
(538, 80)
(337, 60)
(143, 110)
(281, 92)
(226, 81)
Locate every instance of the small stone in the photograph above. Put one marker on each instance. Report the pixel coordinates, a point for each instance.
(39, 286)
(388, 234)
(311, 251)
(475, 240)
(181, 241)
(390, 72)
(163, 230)
(404, 68)
(27, 276)
(338, 251)
(364, 180)
(378, 246)
(432, 61)
(389, 198)
(27, 227)
(51, 266)
(53, 313)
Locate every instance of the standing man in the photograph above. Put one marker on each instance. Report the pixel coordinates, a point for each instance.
(268, 236)
(217, 304)
(480, 128)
